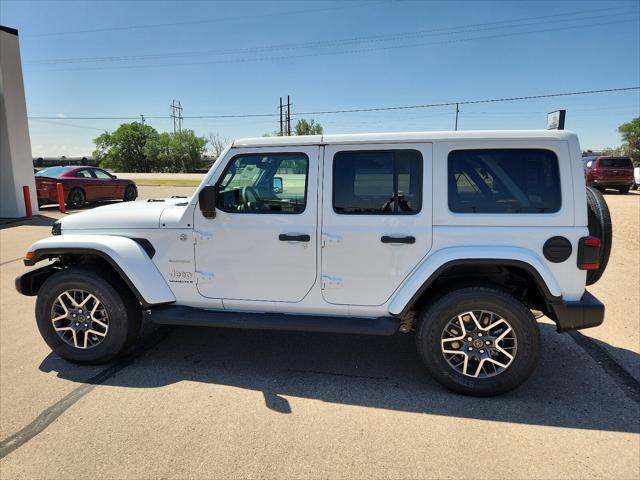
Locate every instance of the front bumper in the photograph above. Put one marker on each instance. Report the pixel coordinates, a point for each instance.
(585, 313)
(30, 282)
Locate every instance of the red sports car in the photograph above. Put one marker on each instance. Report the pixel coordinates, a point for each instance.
(81, 185)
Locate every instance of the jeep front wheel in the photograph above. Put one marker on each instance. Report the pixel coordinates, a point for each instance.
(85, 319)
(478, 341)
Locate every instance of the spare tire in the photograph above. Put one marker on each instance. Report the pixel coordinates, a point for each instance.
(599, 226)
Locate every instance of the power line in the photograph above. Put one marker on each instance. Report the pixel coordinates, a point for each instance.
(355, 110)
(460, 29)
(196, 22)
(341, 52)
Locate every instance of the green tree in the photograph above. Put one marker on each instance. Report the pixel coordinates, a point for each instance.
(187, 150)
(304, 127)
(159, 151)
(630, 133)
(124, 150)
(612, 152)
(176, 152)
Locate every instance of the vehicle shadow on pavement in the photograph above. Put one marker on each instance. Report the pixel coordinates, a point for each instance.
(36, 221)
(569, 388)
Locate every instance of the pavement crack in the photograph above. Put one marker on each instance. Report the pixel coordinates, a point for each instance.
(50, 414)
(627, 382)
(10, 261)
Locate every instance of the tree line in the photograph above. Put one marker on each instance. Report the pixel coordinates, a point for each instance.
(137, 147)
(630, 134)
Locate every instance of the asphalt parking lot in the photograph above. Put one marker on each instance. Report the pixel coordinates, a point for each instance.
(210, 403)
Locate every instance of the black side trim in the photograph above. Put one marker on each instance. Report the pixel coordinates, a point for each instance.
(146, 246)
(480, 261)
(30, 282)
(585, 313)
(10, 30)
(55, 252)
(179, 315)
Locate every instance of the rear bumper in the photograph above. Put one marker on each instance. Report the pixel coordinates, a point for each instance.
(585, 313)
(612, 182)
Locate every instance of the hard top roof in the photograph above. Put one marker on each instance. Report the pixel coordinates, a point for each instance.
(404, 137)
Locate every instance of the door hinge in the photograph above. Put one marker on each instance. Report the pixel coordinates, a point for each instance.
(331, 282)
(330, 239)
(203, 277)
(199, 237)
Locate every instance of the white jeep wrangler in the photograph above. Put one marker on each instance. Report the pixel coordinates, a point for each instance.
(462, 237)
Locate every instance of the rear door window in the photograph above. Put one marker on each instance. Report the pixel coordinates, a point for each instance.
(503, 181)
(383, 182)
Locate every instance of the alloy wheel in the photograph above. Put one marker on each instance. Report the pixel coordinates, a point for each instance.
(479, 344)
(80, 319)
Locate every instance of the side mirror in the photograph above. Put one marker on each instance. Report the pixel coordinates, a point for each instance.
(114, 177)
(207, 201)
(278, 185)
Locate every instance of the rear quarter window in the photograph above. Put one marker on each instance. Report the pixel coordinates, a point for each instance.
(503, 181)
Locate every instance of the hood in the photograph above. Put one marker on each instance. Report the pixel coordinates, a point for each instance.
(125, 215)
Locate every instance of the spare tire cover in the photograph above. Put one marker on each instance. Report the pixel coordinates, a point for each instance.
(599, 226)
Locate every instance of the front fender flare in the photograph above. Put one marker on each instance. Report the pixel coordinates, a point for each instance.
(128, 258)
(439, 261)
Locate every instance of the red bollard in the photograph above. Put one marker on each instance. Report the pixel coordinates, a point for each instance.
(27, 200)
(61, 198)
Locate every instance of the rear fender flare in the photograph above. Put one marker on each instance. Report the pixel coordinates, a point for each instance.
(411, 290)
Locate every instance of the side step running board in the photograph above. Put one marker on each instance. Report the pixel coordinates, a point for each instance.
(178, 315)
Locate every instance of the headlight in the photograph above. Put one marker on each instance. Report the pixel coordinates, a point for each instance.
(56, 229)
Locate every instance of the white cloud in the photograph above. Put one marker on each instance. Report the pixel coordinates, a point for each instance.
(60, 115)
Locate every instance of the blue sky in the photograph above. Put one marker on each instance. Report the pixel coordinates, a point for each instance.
(101, 59)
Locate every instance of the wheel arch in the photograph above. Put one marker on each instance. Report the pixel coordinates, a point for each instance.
(129, 258)
(517, 270)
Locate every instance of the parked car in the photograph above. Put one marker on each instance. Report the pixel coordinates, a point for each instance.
(636, 178)
(608, 172)
(81, 185)
(454, 237)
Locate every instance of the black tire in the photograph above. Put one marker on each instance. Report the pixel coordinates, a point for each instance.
(435, 318)
(600, 226)
(130, 194)
(624, 190)
(76, 198)
(123, 310)
(634, 186)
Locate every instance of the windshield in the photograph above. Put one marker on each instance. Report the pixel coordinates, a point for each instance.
(53, 172)
(615, 162)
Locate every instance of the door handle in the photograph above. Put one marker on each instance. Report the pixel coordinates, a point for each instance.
(408, 239)
(284, 237)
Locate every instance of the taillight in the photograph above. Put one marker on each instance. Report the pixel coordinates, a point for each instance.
(589, 253)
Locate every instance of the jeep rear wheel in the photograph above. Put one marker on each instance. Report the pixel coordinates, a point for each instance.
(85, 319)
(478, 341)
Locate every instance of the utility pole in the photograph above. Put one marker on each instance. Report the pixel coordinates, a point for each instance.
(285, 124)
(288, 115)
(281, 132)
(142, 118)
(176, 116)
(457, 111)
(173, 115)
